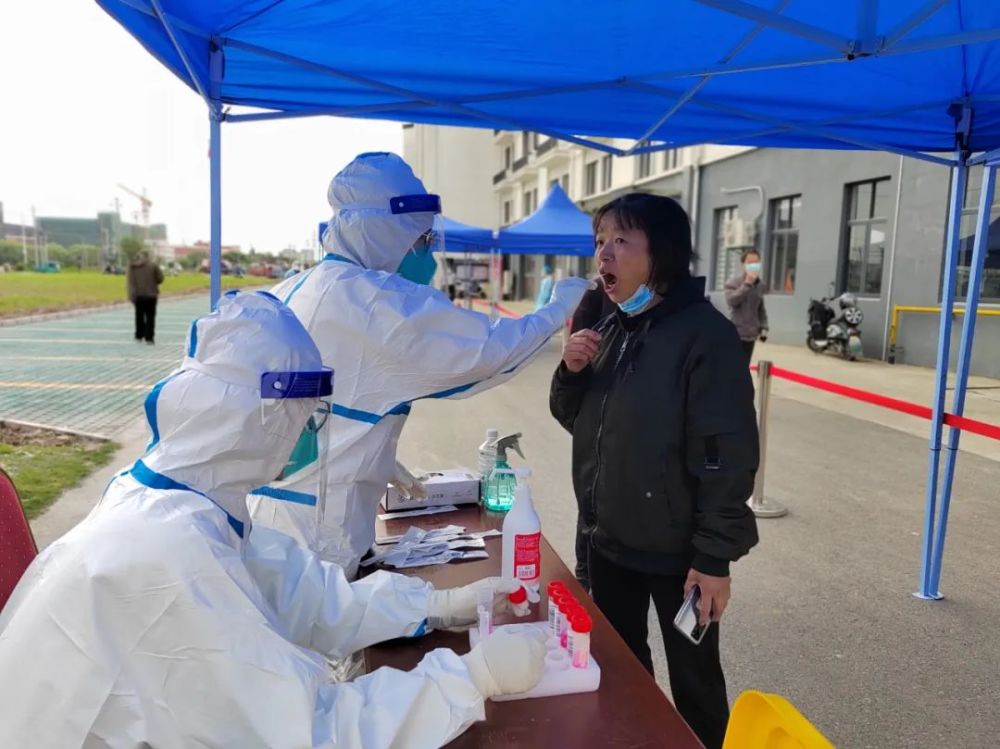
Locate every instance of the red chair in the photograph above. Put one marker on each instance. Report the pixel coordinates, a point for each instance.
(17, 545)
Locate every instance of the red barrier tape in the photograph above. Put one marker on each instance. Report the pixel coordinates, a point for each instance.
(500, 308)
(884, 401)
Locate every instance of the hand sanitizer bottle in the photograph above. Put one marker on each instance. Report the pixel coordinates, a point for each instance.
(522, 537)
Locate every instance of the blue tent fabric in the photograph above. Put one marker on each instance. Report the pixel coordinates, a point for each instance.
(558, 227)
(459, 237)
(868, 74)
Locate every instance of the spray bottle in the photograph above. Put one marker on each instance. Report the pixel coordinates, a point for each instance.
(499, 487)
(522, 537)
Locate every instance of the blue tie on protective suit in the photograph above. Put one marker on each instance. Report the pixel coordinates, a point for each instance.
(162, 620)
(391, 341)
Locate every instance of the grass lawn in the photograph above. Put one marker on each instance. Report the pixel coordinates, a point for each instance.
(29, 293)
(42, 472)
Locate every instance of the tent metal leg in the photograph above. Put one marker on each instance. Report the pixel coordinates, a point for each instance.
(958, 175)
(964, 362)
(215, 179)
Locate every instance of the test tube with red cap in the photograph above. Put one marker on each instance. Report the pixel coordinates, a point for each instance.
(519, 601)
(567, 607)
(554, 587)
(579, 650)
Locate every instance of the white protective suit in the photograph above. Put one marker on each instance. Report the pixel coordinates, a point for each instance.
(391, 342)
(155, 623)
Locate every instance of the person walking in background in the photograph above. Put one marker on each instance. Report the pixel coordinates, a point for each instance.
(594, 307)
(143, 279)
(665, 447)
(745, 297)
(544, 288)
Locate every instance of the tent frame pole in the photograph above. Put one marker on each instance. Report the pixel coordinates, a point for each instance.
(958, 179)
(962, 372)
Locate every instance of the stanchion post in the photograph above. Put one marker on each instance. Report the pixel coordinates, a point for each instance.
(763, 507)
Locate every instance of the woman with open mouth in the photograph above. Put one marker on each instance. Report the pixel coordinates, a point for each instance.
(659, 401)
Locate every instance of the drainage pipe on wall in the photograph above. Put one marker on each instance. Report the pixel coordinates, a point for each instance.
(892, 261)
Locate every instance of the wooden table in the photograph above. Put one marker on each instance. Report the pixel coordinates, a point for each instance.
(628, 710)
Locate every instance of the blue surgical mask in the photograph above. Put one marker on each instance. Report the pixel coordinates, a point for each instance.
(637, 302)
(753, 267)
(418, 266)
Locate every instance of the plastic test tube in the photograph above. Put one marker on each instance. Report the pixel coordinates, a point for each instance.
(566, 606)
(562, 600)
(484, 611)
(553, 609)
(579, 653)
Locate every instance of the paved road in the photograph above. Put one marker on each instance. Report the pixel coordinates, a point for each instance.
(822, 610)
(86, 373)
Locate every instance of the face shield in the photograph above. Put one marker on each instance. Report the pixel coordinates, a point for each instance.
(295, 406)
(420, 263)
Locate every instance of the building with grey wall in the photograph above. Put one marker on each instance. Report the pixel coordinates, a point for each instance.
(833, 221)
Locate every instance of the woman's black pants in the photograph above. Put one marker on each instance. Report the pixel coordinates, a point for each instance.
(696, 679)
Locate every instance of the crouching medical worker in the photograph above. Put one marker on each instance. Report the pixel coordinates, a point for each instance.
(392, 339)
(160, 620)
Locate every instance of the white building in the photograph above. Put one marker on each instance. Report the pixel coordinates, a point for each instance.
(496, 178)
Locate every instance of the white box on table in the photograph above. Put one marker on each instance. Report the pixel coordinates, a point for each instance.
(453, 486)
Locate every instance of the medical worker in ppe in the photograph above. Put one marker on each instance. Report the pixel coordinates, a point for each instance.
(392, 339)
(162, 620)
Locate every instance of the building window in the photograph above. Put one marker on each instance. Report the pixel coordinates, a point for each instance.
(564, 181)
(990, 289)
(590, 178)
(553, 183)
(606, 166)
(508, 209)
(670, 159)
(530, 201)
(867, 212)
(727, 259)
(535, 138)
(525, 143)
(508, 156)
(783, 247)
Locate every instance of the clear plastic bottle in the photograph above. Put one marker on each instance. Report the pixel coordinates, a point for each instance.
(519, 602)
(500, 486)
(488, 454)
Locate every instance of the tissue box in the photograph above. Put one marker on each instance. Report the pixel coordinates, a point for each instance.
(455, 486)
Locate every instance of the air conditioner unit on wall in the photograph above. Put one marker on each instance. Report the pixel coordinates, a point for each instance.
(738, 233)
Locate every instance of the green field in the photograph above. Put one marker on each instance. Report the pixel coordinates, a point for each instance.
(43, 472)
(30, 293)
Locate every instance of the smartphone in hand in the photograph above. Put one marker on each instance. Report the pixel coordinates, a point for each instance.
(686, 621)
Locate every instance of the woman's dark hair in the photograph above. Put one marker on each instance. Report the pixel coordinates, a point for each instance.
(666, 226)
(747, 253)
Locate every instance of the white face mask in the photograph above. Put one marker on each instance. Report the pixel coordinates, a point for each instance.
(753, 267)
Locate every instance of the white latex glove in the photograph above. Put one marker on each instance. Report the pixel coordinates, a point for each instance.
(456, 607)
(568, 292)
(408, 484)
(507, 663)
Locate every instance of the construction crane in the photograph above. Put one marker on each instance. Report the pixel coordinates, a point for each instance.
(145, 203)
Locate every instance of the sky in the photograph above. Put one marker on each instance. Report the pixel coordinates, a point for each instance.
(84, 108)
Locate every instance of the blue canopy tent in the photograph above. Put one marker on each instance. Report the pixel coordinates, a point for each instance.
(921, 80)
(558, 227)
(458, 237)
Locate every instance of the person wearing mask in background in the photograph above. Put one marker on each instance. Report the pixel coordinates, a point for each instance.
(745, 297)
(660, 405)
(595, 306)
(143, 278)
(544, 288)
(392, 339)
(165, 620)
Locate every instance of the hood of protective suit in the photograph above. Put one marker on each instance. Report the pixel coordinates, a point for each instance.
(363, 227)
(212, 430)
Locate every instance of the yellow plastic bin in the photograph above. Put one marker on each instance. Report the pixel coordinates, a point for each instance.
(769, 721)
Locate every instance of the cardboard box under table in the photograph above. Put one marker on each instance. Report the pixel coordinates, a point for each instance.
(628, 709)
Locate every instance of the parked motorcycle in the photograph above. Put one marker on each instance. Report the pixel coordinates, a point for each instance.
(835, 328)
